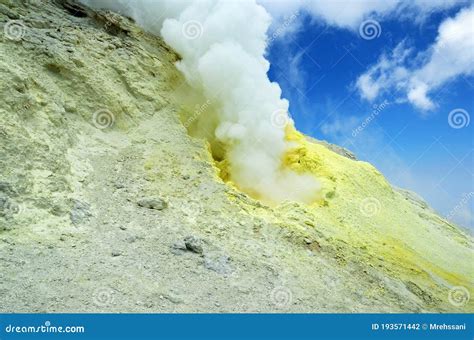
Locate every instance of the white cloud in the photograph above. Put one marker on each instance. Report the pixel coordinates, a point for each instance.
(388, 71)
(450, 56)
(417, 95)
(340, 14)
(335, 13)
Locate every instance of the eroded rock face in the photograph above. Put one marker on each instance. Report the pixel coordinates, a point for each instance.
(89, 126)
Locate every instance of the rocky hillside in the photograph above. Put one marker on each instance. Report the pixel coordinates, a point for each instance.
(107, 204)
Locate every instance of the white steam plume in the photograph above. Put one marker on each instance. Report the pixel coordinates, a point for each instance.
(222, 44)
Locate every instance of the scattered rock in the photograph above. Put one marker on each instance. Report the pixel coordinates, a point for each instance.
(312, 245)
(193, 244)
(8, 207)
(218, 262)
(422, 294)
(6, 188)
(80, 212)
(172, 298)
(119, 185)
(178, 247)
(153, 203)
(131, 239)
(335, 148)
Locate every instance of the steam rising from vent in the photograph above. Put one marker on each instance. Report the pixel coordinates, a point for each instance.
(222, 45)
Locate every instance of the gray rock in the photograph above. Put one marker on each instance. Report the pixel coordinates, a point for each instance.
(6, 188)
(131, 239)
(179, 247)
(119, 185)
(80, 212)
(8, 207)
(152, 203)
(218, 262)
(335, 148)
(193, 244)
(412, 197)
(172, 298)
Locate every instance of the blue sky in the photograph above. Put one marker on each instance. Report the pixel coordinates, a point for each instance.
(317, 59)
